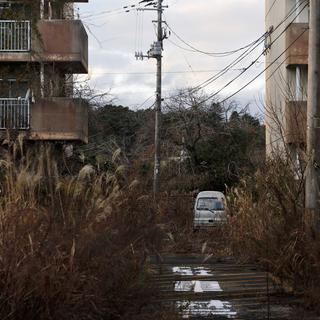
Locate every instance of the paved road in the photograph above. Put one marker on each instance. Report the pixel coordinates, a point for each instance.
(222, 290)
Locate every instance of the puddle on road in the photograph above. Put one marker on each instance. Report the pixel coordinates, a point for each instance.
(188, 271)
(197, 286)
(205, 309)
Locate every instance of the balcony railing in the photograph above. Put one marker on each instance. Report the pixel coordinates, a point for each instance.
(15, 36)
(14, 114)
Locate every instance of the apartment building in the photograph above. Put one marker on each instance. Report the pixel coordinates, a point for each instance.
(287, 22)
(42, 48)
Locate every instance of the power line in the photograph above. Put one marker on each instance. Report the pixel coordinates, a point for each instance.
(226, 53)
(256, 77)
(273, 62)
(229, 67)
(209, 81)
(212, 54)
(109, 13)
(225, 70)
(164, 72)
(125, 8)
(274, 2)
(283, 32)
(245, 54)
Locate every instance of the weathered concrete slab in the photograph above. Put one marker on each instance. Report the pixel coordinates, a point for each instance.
(222, 289)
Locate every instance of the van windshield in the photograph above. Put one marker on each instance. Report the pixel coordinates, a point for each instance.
(210, 204)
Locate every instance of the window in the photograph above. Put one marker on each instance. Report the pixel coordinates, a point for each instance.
(210, 204)
(13, 89)
(302, 11)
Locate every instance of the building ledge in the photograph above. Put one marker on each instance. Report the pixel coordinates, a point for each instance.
(297, 42)
(64, 42)
(55, 119)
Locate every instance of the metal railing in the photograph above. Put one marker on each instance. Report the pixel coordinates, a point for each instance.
(15, 36)
(14, 113)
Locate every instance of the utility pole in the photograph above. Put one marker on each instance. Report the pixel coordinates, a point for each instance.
(156, 52)
(157, 146)
(313, 115)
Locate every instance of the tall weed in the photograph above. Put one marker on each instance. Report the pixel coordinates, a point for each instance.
(266, 227)
(72, 246)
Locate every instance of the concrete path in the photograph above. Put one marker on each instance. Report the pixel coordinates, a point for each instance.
(222, 290)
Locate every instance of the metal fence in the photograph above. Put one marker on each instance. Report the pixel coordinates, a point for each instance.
(15, 36)
(14, 114)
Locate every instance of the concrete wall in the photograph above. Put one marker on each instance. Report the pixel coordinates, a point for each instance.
(70, 44)
(286, 78)
(276, 76)
(59, 119)
(297, 42)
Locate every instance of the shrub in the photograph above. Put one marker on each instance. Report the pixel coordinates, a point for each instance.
(266, 227)
(72, 246)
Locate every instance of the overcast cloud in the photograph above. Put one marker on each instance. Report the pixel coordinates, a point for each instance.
(210, 25)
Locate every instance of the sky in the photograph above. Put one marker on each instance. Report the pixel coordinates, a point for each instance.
(207, 25)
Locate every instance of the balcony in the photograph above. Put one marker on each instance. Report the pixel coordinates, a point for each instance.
(297, 42)
(64, 42)
(296, 122)
(63, 119)
(56, 119)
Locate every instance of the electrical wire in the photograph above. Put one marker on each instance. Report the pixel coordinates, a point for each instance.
(243, 55)
(164, 72)
(123, 9)
(215, 77)
(136, 33)
(231, 65)
(212, 54)
(245, 70)
(256, 77)
(274, 2)
(225, 53)
(274, 61)
(227, 69)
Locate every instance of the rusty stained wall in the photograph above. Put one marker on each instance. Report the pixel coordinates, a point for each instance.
(62, 41)
(297, 40)
(59, 119)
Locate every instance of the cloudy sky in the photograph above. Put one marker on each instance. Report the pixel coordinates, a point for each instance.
(207, 25)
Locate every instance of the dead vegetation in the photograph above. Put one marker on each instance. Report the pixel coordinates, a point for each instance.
(267, 228)
(72, 246)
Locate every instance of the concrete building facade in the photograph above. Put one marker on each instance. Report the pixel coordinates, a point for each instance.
(287, 22)
(42, 47)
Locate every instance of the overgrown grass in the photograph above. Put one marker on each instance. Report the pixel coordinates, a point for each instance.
(72, 246)
(266, 227)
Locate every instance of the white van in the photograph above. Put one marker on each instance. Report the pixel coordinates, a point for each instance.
(209, 209)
